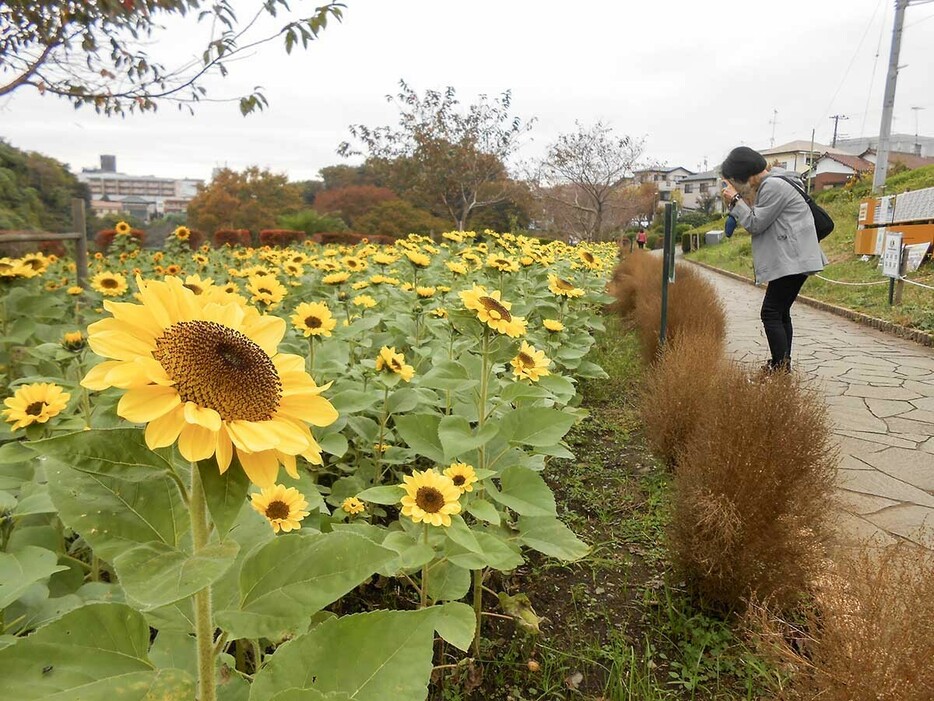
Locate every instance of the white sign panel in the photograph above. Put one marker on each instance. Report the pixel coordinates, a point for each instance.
(914, 254)
(892, 255)
(880, 240)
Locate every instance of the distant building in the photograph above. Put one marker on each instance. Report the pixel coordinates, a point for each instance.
(665, 179)
(833, 170)
(796, 155)
(143, 196)
(695, 188)
(902, 143)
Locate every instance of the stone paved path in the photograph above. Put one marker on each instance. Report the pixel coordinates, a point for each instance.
(880, 392)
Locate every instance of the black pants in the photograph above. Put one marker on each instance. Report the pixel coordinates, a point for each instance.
(776, 317)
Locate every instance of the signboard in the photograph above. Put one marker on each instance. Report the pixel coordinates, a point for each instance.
(914, 254)
(892, 255)
(880, 241)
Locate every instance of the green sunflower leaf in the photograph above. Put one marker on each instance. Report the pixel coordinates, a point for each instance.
(392, 656)
(420, 432)
(285, 581)
(21, 569)
(525, 492)
(535, 426)
(458, 439)
(550, 536)
(94, 653)
(155, 574)
(225, 493)
(447, 375)
(386, 495)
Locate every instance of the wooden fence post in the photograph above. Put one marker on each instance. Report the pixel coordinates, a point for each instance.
(80, 226)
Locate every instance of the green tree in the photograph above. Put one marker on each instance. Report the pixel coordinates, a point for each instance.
(252, 200)
(441, 157)
(399, 218)
(341, 175)
(36, 191)
(352, 202)
(95, 53)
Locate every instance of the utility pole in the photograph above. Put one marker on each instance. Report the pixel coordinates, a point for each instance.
(917, 142)
(836, 120)
(888, 101)
(773, 121)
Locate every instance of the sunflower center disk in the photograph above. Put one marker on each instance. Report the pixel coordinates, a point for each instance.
(277, 509)
(526, 361)
(217, 367)
(429, 499)
(35, 408)
(492, 306)
(564, 285)
(108, 282)
(313, 322)
(458, 480)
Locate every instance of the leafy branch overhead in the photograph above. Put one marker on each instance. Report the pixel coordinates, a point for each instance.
(440, 155)
(94, 53)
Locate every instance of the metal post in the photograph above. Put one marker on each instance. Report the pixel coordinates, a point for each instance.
(811, 162)
(667, 265)
(888, 101)
(80, 226)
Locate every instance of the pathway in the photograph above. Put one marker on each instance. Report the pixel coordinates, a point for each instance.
(880, 393)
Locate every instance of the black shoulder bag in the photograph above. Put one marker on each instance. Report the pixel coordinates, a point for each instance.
(822, 221)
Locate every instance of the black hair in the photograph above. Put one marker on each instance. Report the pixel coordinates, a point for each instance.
(742, 164)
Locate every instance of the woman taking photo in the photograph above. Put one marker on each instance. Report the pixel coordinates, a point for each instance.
(784, 241)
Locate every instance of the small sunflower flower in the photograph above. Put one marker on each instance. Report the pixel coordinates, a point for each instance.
(530, 364)
(74, 341)
(553, 325)
(389, 360)
(430, 497)
(353, 506)
(418, 259)
(313, 319)
(462, 475)
(75, 290)
(425, 292)
(336, 278)
(284, 507)
(122, 228)
(266, 290)
(563, 288)
(493, 311)
(109, 284)
(365, 301)
(35, 403)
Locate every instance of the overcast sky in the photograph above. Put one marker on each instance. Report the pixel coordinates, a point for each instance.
(693, 78)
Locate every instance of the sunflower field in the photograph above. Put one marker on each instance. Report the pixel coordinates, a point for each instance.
(212, 461)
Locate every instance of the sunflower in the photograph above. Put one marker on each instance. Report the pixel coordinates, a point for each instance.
(456, 268)
(336, 278)
(282, 506)
(74, 341)
(35, 403)
(553, 325)
(589, 260)
(122, 228)
(440, 312)
(503, 264)
(563, 288)
(493, 311)
(454, 236)
(353, 506)
(384, 280)
(430, 497)
(530, 363)
(293, 269)
(109, 284)
(209, 375)
(182, 233)
(425, 292)
(365, 301)
(389, 360)
(266, 290)
(354, 264)
(418, 259)
(36, 261)
(313, 319)
(462, 475)
(75, 290)
(383, 258)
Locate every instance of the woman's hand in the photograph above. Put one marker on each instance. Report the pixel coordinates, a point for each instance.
(728, 193)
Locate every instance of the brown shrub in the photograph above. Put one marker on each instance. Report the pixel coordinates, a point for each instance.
(281, 237)
(105, 238)
(677, 392)
(752, 490)
(233, 237)
(868, 634)
(351, 239)
(694, 310)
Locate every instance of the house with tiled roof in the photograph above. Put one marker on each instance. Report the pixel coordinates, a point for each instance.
(836, 169)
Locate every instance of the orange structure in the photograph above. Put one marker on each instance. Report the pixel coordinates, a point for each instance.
(909, 213)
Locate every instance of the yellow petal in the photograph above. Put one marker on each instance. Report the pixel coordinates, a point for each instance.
(224, 450)
(202, 416)
(267, 332)
(164, 431)
(141, 371)
(317, 411)
(262, 468)
(118, 345)
(143, 404)
(288, 462)
(252, 436)
(196, 442)
(95, 380)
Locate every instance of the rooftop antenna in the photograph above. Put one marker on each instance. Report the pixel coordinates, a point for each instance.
(773, 121)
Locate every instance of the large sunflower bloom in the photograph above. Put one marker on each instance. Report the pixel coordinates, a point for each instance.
(209, 376)
(493, 311)
(430, 497)
(34, 404)
(530, 363)
(563, 288)
(313, 319)
(109, 284)
(284, 507)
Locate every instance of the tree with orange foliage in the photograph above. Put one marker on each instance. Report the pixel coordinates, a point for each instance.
(352, 202)
(251, 199)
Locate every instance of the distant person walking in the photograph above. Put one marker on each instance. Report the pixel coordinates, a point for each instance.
(784, 241)
(641, 238)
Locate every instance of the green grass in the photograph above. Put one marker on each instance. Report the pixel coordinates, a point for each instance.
(917, 308)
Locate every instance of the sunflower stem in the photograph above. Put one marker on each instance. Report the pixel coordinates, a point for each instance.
(477, 608)
(311, 356)
(384, 419)
(424, 592)
(204, 625)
